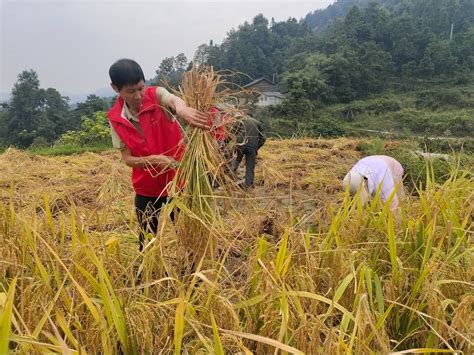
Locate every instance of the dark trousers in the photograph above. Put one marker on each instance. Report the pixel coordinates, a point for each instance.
(148, 210)
(250, 154)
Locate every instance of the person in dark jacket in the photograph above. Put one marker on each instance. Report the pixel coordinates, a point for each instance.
(249, 138)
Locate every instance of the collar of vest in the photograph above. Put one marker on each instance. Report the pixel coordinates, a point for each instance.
(148, 104)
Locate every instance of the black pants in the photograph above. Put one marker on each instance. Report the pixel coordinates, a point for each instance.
(148, 210)
(250, 160)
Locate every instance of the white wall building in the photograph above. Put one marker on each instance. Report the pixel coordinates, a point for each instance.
(262, 92)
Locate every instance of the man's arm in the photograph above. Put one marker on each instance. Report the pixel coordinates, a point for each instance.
(192, 116)
(117, 142)
(176, 105)
(160, 161)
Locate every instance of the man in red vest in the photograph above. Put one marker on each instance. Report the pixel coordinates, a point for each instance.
(149, 139)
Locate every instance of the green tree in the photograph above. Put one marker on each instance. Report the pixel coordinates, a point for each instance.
(254, 49)
(166, 67)
(170, 71)
(406, 41)
(201, 55)
(3, 127)
(343, 71)
(23, 114)
(34, 113)
(306, 83)
(439, 53)
(54, 110)
(181, 62)
(93, 103)
(465, 49)
(376, 67)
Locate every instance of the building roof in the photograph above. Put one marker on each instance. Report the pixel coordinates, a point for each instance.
(255, 82)
(274, 94)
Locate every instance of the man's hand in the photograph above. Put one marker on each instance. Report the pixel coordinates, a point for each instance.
(192, 116)
(161, 161)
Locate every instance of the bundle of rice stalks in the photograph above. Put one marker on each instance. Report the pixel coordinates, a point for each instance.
(203, 166)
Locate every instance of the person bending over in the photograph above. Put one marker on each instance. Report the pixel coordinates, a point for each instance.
(373, 171)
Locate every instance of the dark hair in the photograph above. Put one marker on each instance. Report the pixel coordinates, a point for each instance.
(125, 72)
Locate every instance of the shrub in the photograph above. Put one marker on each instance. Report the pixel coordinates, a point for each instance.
(460, 124)
(415, 121)
(438, 98)
(375, 146)
(327, 127)
(416, 168)
(94, 131)
(39, 142)
(383, 105)
(440, 145)
(375, 106)
(353, 109)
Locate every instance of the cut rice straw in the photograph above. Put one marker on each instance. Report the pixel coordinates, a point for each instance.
(202, 167)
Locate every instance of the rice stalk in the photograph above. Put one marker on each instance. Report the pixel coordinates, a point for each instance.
(297, 282)
(217, 340)
(179, 322)
(201, 168)
(6, 314)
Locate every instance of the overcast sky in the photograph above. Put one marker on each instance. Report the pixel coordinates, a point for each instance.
(72, 43)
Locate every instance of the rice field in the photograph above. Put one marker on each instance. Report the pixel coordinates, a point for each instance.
(299, 267)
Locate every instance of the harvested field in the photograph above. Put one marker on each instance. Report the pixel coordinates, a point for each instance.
(299, 268)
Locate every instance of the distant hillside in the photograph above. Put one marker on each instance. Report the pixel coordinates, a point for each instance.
(319, 20)
(104, 92)
(4, 96)
(435, 13)
(74, 99)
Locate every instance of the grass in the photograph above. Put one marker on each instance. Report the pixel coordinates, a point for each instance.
(299, 267)
(67, 150)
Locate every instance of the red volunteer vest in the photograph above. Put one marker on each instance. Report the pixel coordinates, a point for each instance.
(160, 136)
(218, 130)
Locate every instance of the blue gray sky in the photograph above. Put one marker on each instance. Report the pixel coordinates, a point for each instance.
(72, 43)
